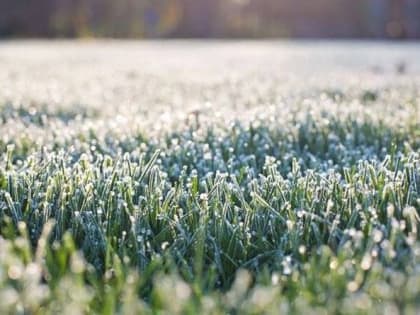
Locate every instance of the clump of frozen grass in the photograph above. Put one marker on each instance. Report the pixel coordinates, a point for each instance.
(311, 205)
(270, 214)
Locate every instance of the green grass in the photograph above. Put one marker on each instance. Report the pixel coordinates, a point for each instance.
(264, 201)
(311, 216)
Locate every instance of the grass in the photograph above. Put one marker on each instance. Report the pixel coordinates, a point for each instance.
(306, 207)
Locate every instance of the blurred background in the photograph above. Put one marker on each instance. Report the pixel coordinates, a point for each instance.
(397, 19)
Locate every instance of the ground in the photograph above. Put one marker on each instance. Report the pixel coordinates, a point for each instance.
(209, 177)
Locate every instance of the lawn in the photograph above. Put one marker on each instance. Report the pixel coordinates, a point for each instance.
(213, 177)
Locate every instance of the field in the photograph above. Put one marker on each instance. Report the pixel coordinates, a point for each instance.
(209, 177)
